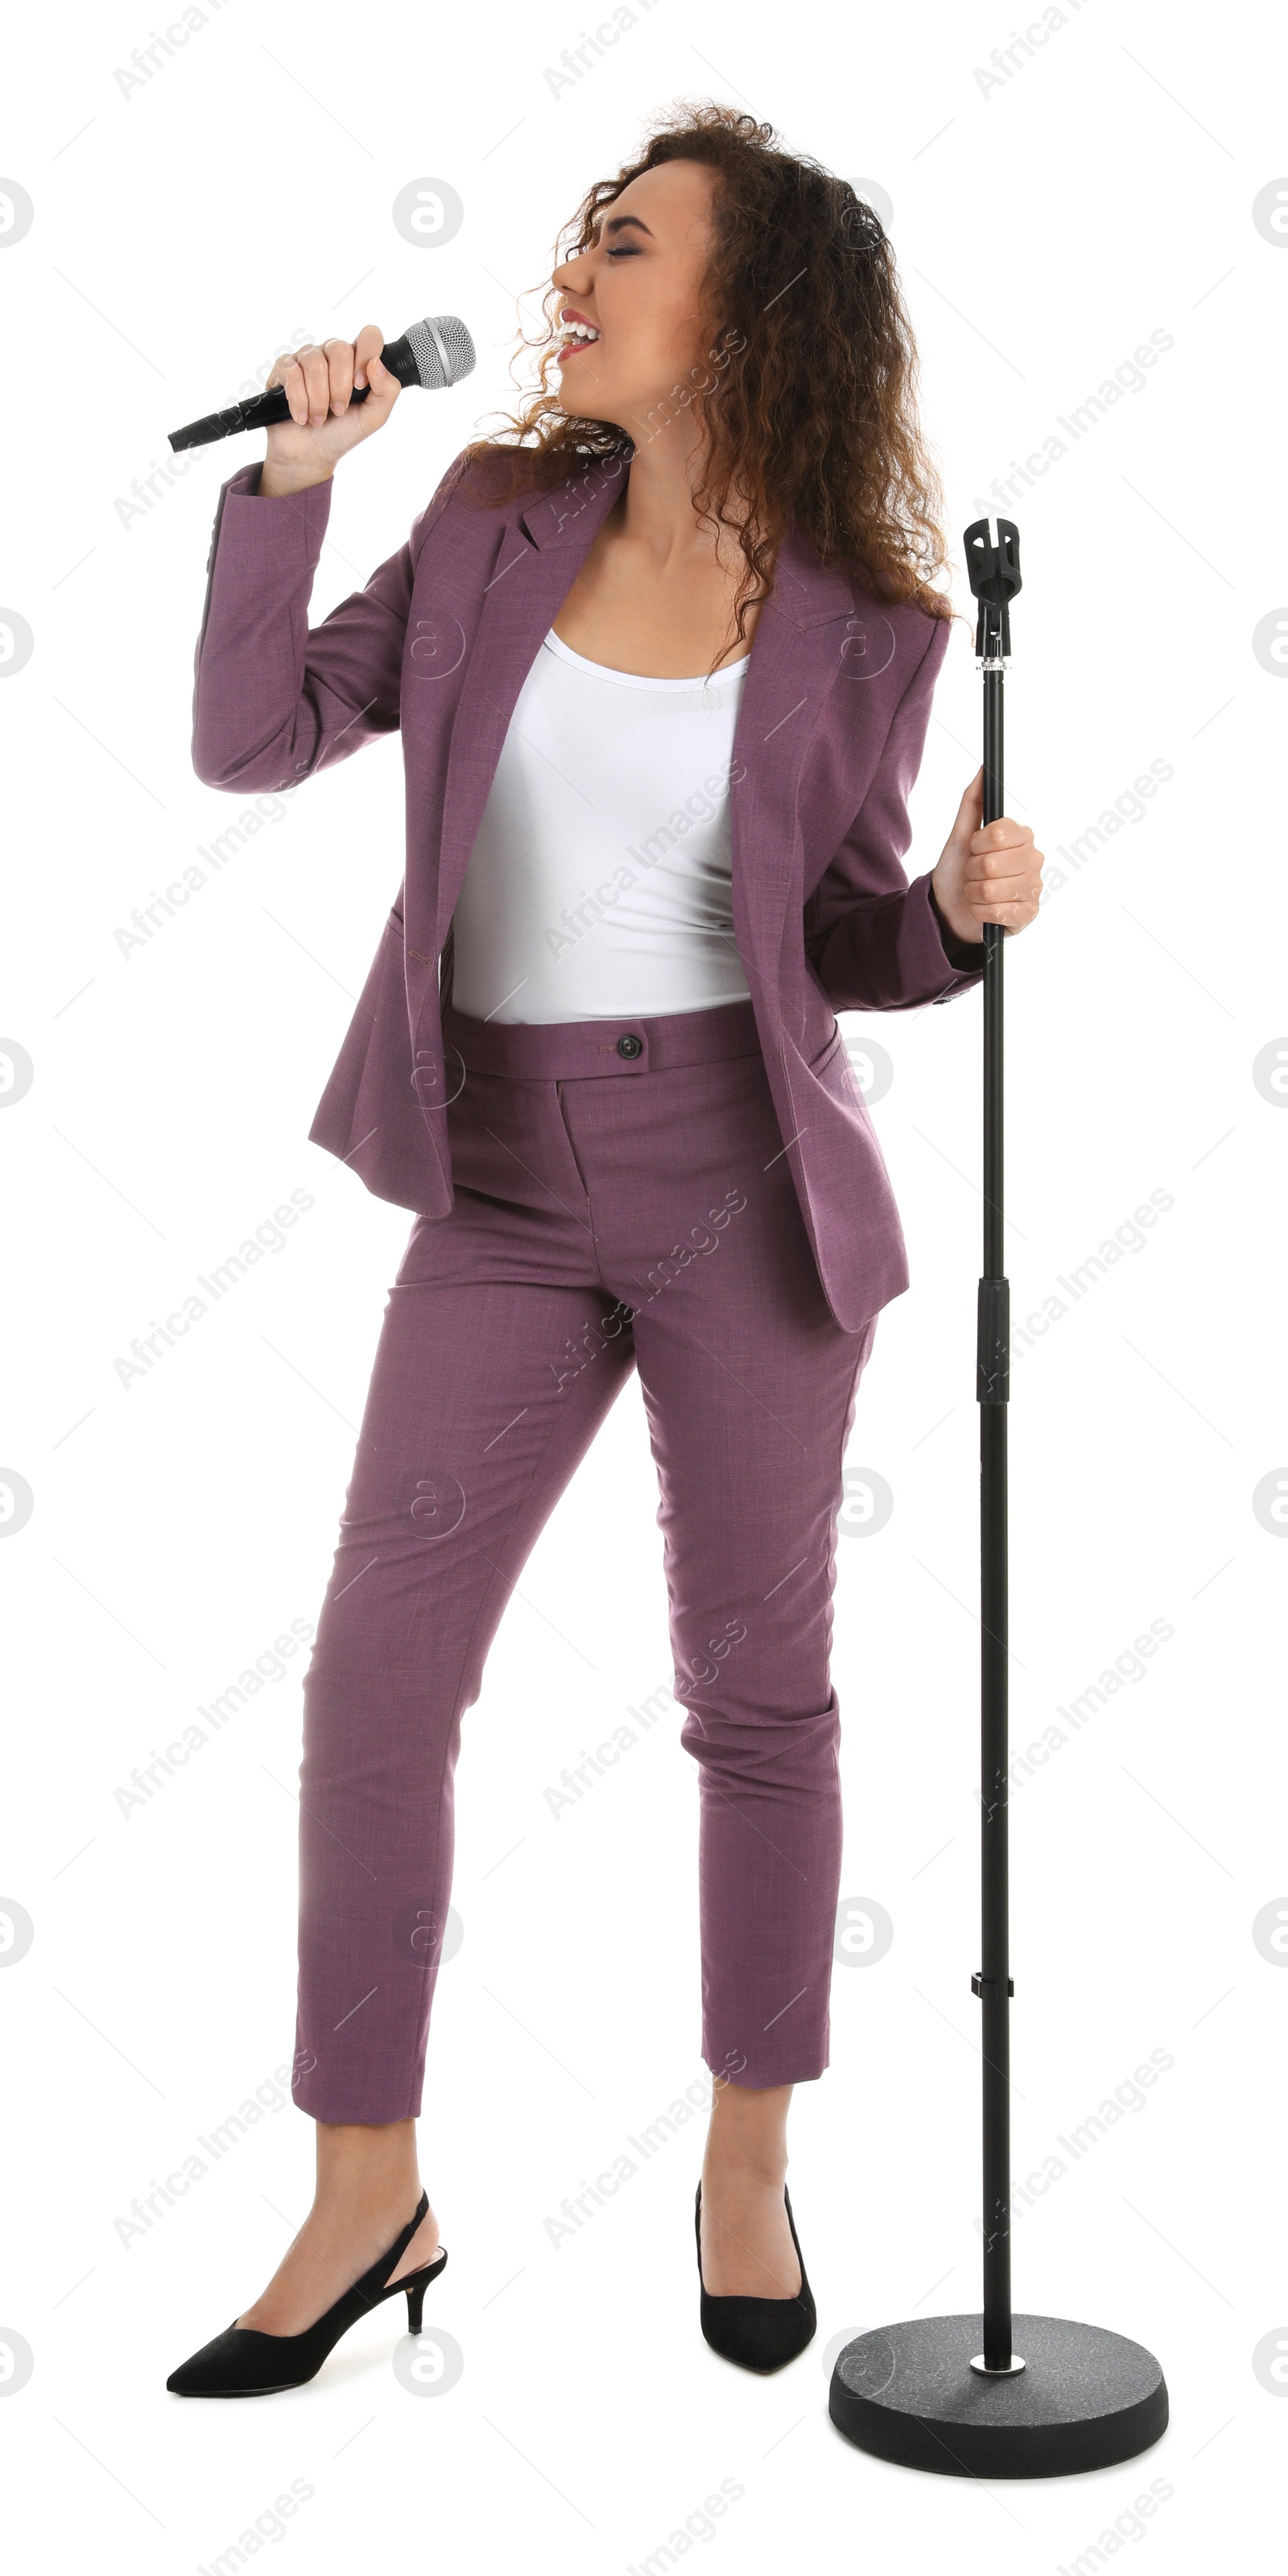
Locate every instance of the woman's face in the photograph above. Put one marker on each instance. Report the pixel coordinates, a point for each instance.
(639, 288)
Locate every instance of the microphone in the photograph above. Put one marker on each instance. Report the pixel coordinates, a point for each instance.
(433, 353)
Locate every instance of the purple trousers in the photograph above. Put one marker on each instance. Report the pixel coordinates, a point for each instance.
(624, 1200)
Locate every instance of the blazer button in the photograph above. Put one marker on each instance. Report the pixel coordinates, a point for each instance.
(630, 1046)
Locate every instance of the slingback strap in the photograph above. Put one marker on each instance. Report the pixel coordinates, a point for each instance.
(373, 2284)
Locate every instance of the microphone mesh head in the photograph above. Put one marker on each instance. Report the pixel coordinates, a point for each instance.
(442, 349)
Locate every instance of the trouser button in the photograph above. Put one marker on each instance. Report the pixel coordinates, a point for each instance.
(630, 1046)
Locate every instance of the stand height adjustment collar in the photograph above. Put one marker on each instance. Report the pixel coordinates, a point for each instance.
(978, 1983)
(993, 1342)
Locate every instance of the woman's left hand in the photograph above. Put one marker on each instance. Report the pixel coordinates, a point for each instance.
(989, 872)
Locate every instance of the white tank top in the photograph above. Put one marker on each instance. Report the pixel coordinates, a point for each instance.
(598, 886)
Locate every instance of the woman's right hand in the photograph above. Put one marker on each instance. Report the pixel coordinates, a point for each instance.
(324, 424)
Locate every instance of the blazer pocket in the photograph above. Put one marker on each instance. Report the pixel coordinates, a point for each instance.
(816, 1063)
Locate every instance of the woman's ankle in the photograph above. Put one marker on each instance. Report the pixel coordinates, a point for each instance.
(369, 2214)
(741, 2172)
(747, 2138)
(371, 2167)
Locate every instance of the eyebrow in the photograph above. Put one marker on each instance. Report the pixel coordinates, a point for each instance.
(618, 223)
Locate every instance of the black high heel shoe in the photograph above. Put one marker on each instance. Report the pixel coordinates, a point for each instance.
(759, 2334)
(242, 2362)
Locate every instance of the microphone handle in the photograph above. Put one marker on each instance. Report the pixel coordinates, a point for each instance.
(259, 413)
(263, 409)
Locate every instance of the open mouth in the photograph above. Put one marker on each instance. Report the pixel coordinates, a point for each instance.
(576, 337)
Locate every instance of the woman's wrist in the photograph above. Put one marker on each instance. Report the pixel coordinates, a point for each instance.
(952, 940)
(280, 482)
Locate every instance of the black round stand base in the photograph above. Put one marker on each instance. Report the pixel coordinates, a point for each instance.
(1085, 2399)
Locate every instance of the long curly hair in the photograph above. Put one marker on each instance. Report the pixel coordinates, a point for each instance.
(812, 423)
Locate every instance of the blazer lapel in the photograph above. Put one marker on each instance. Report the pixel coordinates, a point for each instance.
(541, 554)
(795, 656)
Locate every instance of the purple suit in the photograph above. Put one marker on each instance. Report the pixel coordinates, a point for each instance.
(697, 1198)
(829, 741)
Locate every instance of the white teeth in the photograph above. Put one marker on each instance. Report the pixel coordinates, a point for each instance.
(579, 331)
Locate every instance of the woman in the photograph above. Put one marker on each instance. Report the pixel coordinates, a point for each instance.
(662, 659)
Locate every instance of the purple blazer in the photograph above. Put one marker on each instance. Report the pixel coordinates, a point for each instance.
(830, 735)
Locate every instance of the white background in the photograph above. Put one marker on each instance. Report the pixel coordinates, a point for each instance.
(1044, 226)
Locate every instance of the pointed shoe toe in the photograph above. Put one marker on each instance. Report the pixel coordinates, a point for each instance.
(758, 2334)
(241, 2363)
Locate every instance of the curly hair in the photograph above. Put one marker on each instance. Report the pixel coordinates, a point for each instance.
(815, 428)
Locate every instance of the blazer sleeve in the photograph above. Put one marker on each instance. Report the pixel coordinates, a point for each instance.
(274, 698)
(876, 942)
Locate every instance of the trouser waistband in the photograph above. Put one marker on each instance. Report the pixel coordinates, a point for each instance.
(576, 1050)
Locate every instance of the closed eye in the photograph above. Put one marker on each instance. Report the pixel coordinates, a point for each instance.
(625, 250)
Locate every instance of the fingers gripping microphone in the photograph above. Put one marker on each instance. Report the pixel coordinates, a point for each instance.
(433, 353)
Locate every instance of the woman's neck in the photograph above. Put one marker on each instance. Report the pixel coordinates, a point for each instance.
(657, 513)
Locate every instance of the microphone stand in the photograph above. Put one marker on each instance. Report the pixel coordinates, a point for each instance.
(951, 2394)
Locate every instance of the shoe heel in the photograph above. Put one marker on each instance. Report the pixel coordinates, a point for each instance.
(415, 2307)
